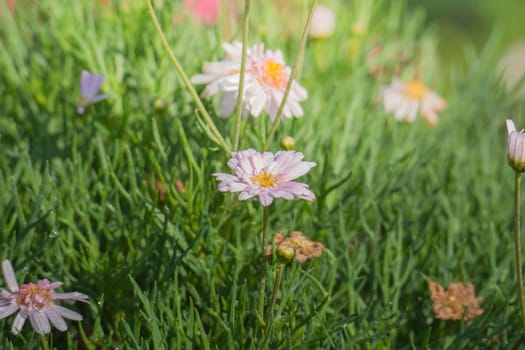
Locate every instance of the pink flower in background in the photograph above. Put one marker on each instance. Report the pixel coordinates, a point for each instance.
(264, 84)
(266, 176)
(89, 86)
(36, 302)
(206, 11)
(11, 4)
(407, 100)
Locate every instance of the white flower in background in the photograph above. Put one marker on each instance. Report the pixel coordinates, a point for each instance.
(410, 99)
(323, 23)
(264, 83)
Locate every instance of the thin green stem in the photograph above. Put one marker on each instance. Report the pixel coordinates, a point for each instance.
(45, 343)
(238, 108)
(213, 129)
(297, 63)
(276, 285)
(517, 190)
(262, 284)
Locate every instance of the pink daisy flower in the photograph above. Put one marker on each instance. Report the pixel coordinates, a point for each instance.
(265, 82)
(407, 100)
(38, 302)
(266, 176)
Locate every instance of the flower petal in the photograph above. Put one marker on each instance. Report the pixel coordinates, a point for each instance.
(510, 126)
(9, 275)
(39, 322)
(18, 323)
(66, 313)
(6, 311)
(56, 319)
(72, 296)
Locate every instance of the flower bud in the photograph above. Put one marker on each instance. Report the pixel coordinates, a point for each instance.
(286, 252)
(160, 105)
(323, 23)
(516, 146)
(288, 143)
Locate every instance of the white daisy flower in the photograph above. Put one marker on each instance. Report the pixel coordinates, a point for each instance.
(407, 100)
(264, 84)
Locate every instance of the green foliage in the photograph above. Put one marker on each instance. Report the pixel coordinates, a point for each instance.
(80, 199)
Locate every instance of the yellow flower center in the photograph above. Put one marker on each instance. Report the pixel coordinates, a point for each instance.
(35, 296)
(414, 90)
(265, 179)
(273, 74)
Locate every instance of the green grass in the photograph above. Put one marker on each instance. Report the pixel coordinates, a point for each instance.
(396, 202)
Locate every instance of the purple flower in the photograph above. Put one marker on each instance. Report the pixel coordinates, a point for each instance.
(266, 176)
(89, 87)
(36, 302)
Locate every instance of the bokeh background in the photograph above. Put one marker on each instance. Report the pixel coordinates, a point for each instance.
(474, 21)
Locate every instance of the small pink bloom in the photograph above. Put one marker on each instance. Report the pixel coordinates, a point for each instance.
(266, 176)
(38, 302)
(204, 10)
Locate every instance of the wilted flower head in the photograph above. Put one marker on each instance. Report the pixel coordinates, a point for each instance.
(407, 100)
(323, 23)
(266, 176)
(296, 245)
(206, 11)
(89, 86)
(516, 147)
(264, 84)
(457, 302)
(38, 302)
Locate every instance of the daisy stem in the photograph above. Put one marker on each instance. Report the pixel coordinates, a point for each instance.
(45, 344)
(238, 108)
(262, 284)
(213, 129)
(276, 285)
(295, 68)
(517, 190)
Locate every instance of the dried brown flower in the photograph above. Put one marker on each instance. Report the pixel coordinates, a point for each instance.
(457, 302)
(296, 245)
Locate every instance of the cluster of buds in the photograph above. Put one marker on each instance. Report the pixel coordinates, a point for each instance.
(294, 246)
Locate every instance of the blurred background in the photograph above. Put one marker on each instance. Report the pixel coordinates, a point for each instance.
(461, 21)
